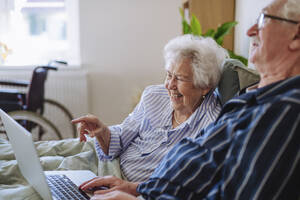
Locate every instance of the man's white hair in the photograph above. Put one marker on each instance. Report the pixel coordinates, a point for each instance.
(205, 55)
(291, 9)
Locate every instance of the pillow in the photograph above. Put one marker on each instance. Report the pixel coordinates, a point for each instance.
(235, 76)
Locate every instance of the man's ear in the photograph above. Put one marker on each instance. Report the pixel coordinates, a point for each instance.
(295, 44)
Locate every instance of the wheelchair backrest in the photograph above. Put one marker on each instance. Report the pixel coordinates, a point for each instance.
(36, 92)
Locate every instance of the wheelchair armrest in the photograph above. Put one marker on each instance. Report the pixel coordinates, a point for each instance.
(15, 83)
(11, 100)
(10, 91)
(11, 94)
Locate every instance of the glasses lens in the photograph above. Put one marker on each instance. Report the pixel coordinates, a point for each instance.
(260, 21)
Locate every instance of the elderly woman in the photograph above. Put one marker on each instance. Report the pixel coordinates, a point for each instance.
(180, 108)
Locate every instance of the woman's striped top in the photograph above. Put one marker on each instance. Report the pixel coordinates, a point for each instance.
(146, 135)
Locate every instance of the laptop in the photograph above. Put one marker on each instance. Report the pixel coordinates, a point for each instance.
(49, 184)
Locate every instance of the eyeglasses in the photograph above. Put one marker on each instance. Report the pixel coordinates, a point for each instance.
(169, 76)
(262, 16)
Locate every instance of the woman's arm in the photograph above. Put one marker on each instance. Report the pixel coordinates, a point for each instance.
(123, 134)
(91, 125)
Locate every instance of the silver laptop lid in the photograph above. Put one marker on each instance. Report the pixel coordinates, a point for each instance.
(26, 155)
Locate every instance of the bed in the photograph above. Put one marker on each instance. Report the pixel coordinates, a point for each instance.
(67, 154)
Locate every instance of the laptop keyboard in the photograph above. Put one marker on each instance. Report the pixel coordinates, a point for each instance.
(64, 189)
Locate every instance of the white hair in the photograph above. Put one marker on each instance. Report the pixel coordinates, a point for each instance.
(205, 55)
(291, 9)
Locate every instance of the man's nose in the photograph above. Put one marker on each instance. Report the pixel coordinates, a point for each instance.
(253, 30)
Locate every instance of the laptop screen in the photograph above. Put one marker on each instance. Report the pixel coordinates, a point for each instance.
(26, 155)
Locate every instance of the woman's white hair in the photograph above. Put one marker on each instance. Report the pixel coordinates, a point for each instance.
(205, 55)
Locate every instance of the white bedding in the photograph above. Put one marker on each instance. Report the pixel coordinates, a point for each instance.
(67, 154)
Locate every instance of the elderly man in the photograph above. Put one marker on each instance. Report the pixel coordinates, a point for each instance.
(252, 151)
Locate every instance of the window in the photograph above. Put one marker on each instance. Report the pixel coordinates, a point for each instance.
(33, 32)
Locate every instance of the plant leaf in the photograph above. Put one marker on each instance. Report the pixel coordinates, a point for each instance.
(181, 13)
(209, 33)
(223, 30)
(186, 28)
(220, 40)
(238, 57)
(195, 26)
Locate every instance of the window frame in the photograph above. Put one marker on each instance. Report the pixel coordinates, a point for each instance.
(73, 39)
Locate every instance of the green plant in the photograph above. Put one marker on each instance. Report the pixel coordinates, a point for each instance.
(218, 35)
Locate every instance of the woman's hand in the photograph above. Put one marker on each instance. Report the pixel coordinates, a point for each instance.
(113, 184)
(114, 195)
(91, 125)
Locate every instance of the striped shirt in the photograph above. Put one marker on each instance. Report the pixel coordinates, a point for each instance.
(251, 151)
(147, 134)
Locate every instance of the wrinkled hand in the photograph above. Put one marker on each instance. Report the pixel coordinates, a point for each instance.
(91, 125)
(113, 184)
(114, 195)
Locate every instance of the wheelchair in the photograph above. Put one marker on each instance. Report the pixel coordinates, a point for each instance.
(28, 108)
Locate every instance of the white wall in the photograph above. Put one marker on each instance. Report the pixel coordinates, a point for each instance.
(246, 14)
(121, 49)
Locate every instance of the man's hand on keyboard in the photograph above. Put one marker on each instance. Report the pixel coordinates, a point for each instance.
(112, 183)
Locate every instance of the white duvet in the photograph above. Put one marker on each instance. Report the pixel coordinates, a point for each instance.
(67, 154)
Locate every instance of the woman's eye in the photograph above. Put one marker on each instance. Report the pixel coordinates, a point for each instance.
(180, 79)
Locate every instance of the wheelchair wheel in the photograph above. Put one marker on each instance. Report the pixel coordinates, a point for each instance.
(40, 127)
(61, 117)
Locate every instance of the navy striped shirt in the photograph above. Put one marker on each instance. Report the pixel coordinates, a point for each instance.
(252, 151)
(146, 135)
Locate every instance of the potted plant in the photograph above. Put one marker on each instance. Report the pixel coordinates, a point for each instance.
(194, 27)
